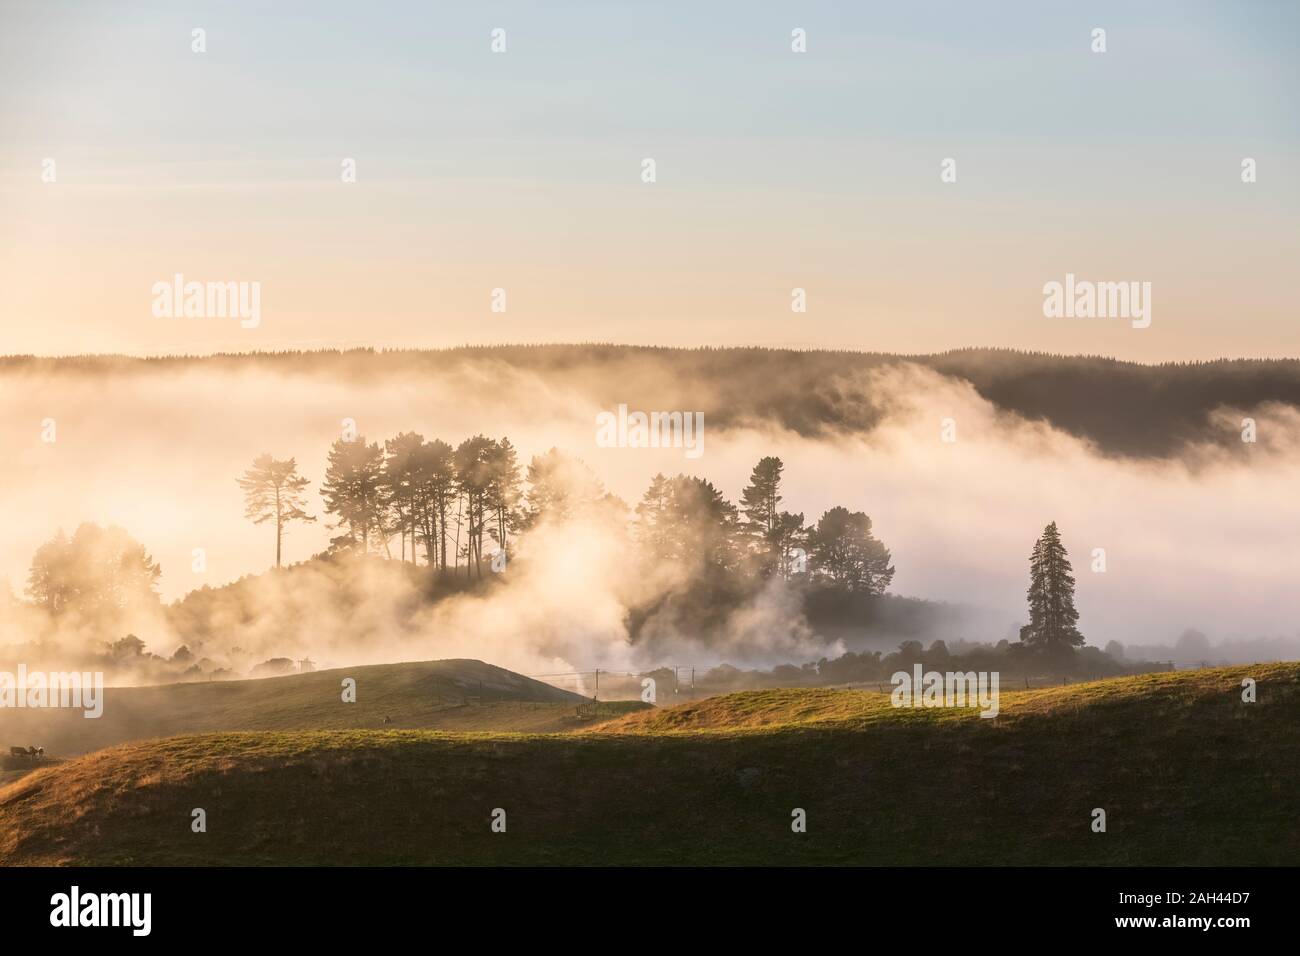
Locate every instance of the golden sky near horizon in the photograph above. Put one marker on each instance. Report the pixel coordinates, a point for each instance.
(774, 171)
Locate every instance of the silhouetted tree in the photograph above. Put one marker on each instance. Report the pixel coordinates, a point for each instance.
(404, 486)
(560, 487)
(473, 460)
(703, 526)
(503, 494)
(96, 572)
(50, 583)
(355, 492)
(652, 531)
(1052, 617)
(274, 489)
(845, 552)
(760, 504)
(126, 648)
(788, 535)
(438, 479)
(1192, 645)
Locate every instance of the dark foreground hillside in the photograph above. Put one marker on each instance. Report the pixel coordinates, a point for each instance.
(1186, 772)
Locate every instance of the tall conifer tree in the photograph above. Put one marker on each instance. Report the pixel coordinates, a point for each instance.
(1053, 621)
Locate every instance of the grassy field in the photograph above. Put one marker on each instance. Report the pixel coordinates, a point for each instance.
(433, 695)
(1187, 774)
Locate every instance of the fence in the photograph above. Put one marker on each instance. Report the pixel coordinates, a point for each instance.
(599, 684)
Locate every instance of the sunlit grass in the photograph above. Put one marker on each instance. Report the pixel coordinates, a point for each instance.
(1187, 772)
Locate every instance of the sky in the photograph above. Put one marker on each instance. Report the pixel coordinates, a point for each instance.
(775, 170)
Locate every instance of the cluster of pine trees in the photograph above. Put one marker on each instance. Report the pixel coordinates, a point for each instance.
(440, 504)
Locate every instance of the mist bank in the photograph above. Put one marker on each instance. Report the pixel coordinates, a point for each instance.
(1200, 535)
(1121, 408)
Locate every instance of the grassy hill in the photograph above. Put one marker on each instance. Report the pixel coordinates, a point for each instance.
(448, 695)
(1187, 773)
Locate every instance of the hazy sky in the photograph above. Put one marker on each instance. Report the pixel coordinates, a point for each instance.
(522, 170)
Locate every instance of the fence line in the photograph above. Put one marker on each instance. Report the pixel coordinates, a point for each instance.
(685, 679)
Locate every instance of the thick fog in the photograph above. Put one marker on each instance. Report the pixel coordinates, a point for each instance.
(1203, 539)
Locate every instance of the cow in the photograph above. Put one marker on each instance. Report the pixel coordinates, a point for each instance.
(31, 753)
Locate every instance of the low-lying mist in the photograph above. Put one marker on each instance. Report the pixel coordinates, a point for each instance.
(957, 487)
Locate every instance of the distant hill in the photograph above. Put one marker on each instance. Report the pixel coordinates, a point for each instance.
(1186, 772)
(447, 695)
(1125, 408)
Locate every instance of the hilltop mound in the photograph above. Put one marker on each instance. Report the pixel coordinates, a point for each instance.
(1186, 771)
(451, 694)
(825, 707)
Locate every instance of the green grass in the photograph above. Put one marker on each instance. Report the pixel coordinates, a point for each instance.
(436, 695)
(1187, 773)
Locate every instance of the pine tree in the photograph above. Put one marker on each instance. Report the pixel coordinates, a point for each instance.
(503, 495)
(404, 485)
(1052, 618)
(687, 520)
(274, 489)
(789, 534)
(355, 492)
(759, 503)
(437, 476)
(846, 553)
(474, 477)
(652, 530)
(560, 487)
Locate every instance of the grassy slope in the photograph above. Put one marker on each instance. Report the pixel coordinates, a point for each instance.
(1187, 773)
(437, 695)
